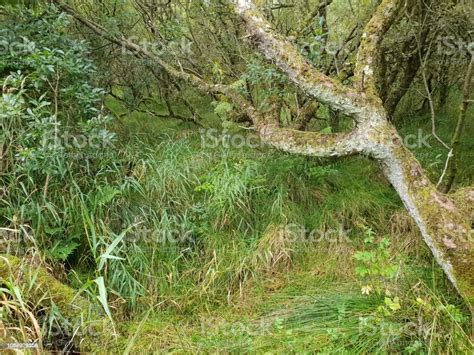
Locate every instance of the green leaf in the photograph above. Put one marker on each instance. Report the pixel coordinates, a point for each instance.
(223, 108)
(103, 296)
(394, 304)
(109, 250)
(62, 249)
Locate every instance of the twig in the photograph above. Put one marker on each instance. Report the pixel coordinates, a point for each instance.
(446, 164)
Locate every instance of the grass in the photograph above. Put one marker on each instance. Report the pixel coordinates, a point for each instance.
(306, 311)
(182, 247)
(238, 250)
(244, 283)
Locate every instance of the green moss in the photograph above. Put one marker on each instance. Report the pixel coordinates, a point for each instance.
(442, 219)
(47, 290)
(46, 285)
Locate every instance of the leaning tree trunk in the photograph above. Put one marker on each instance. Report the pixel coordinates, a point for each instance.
(444, 223)
(444, 226)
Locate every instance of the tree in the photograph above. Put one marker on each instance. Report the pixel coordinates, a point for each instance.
(444, 221)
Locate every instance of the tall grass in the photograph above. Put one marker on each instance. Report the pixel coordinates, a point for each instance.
(194, 230)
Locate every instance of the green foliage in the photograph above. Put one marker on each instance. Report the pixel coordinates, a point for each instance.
(374, 265)
(222, 109)
(52, 130)
(55, 142)
(151, 222)
(268, 80)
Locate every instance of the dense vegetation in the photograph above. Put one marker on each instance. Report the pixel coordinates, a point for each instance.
(156, 209)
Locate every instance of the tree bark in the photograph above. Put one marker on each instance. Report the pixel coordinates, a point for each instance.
(444, 225)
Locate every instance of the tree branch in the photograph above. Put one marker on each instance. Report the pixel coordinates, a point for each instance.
(369, 54)
(311, 143)
(293, 141)
(299, 70)
(307, 25)
(240, 101)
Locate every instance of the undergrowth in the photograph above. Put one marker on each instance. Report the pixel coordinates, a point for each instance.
(186, 247)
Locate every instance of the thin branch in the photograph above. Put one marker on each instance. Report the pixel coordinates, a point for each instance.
(282, 6)
(180, 74)
(289, 140)
(307, 25)
(445, 169)
(432, 110)
(429, 96)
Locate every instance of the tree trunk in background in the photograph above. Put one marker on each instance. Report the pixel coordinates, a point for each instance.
(443, 89)
(452, 164)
